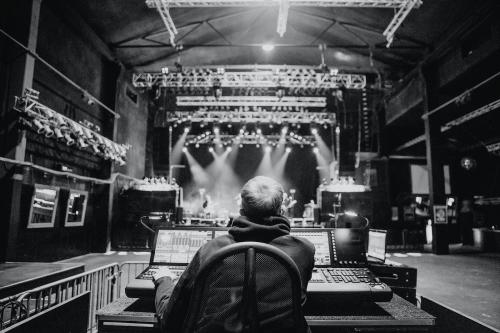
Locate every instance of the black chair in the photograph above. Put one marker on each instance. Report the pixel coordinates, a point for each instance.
(242, 287)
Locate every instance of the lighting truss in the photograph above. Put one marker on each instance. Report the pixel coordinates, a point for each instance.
(471, 115)
(250, 139)
(250, 76)
(250, 117)
(51, 123)
(404, 7)
(398, 19)
(287, 101)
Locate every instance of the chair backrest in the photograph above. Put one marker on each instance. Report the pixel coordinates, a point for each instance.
(247, 287)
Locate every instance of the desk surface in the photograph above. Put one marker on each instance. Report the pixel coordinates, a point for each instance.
(396, 313)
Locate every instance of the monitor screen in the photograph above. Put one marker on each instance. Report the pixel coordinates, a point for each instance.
(179, 246)
(348, 246)
(320, 241)
(376, 244)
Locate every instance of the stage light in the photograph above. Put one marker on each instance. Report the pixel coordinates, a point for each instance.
(242, 131)
(241, 145)
(288, 149)
(197, 145)
(216, 130)
(184, 149)
(186, 130)
(316, 150)
(221, 70)
(284, 130)
(257, 145)
(350, 213)
(211, 149)
(334, 71)
(268, 149)
(259, 131)
(314, 131)
(164, 70)
(337, 130)
(221, 145)
(229, 149)
(267, 47)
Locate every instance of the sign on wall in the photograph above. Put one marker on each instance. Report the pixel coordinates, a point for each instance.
(440, 216)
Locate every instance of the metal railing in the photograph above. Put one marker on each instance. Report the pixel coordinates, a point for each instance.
(102, 283)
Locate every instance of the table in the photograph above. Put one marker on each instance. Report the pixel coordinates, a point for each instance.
(136, 315)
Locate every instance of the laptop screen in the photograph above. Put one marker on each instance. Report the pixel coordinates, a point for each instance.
(320, 242)
(376, 244)
(179, 246)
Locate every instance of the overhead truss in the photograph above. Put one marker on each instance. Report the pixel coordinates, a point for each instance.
(252, 117)
(222, 140)
(255, 101)
(250, 76)
(404, 8)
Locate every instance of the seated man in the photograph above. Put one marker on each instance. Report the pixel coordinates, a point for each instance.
(260, 221)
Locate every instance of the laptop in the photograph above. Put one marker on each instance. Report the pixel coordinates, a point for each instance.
(340, 266)
(376, 246)
(174, 247)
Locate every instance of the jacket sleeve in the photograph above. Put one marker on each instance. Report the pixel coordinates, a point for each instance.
(172, 302)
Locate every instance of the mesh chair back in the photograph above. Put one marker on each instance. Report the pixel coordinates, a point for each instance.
(247, 287)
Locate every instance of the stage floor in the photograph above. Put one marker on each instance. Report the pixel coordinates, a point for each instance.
(466, 282)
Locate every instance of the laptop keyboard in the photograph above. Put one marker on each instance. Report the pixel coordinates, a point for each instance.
(342, 275)
(150, 272)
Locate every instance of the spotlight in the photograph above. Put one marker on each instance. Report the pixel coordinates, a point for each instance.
(211, 149)
(241, 145)
(186, 130)
(337, 130)
(267, 47)
(268, 149)
(288, 149)
(164, 70)
(184, 149)
(259, 131)
(216, 130)
(314, 131)
(257, 145)
(197, 145)
(229, 149)
(221, 145)
(284, 130)
(316, 150)
(242, 131)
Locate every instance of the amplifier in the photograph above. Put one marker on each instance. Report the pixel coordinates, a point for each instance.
(395, 276)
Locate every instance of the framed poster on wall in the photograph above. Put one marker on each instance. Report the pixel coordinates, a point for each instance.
(75, 211)
(43, 207)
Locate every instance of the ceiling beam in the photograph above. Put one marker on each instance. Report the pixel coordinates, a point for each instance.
(162, 31)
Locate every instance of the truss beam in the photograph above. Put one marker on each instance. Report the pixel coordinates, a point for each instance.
(250, 139)
(404, 8)
(267, 77)
(276, 3)
(398, 19)
(471, 115)
(272, 101)
(252, 117)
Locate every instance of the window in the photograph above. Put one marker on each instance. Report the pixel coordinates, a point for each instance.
(43, 207)
(75, 211)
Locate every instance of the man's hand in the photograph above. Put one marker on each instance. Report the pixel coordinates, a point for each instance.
(164, 272)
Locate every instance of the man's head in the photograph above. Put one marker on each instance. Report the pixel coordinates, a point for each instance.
(261, 196)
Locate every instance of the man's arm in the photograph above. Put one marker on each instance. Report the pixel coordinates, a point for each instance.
(172, 300)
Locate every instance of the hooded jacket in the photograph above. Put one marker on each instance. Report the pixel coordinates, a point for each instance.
(172, 302)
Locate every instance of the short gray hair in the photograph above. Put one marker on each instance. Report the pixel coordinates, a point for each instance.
(261, 196)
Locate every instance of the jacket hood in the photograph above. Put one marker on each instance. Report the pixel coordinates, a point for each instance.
(259, 229)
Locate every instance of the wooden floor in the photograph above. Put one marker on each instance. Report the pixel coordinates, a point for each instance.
(467, 282)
